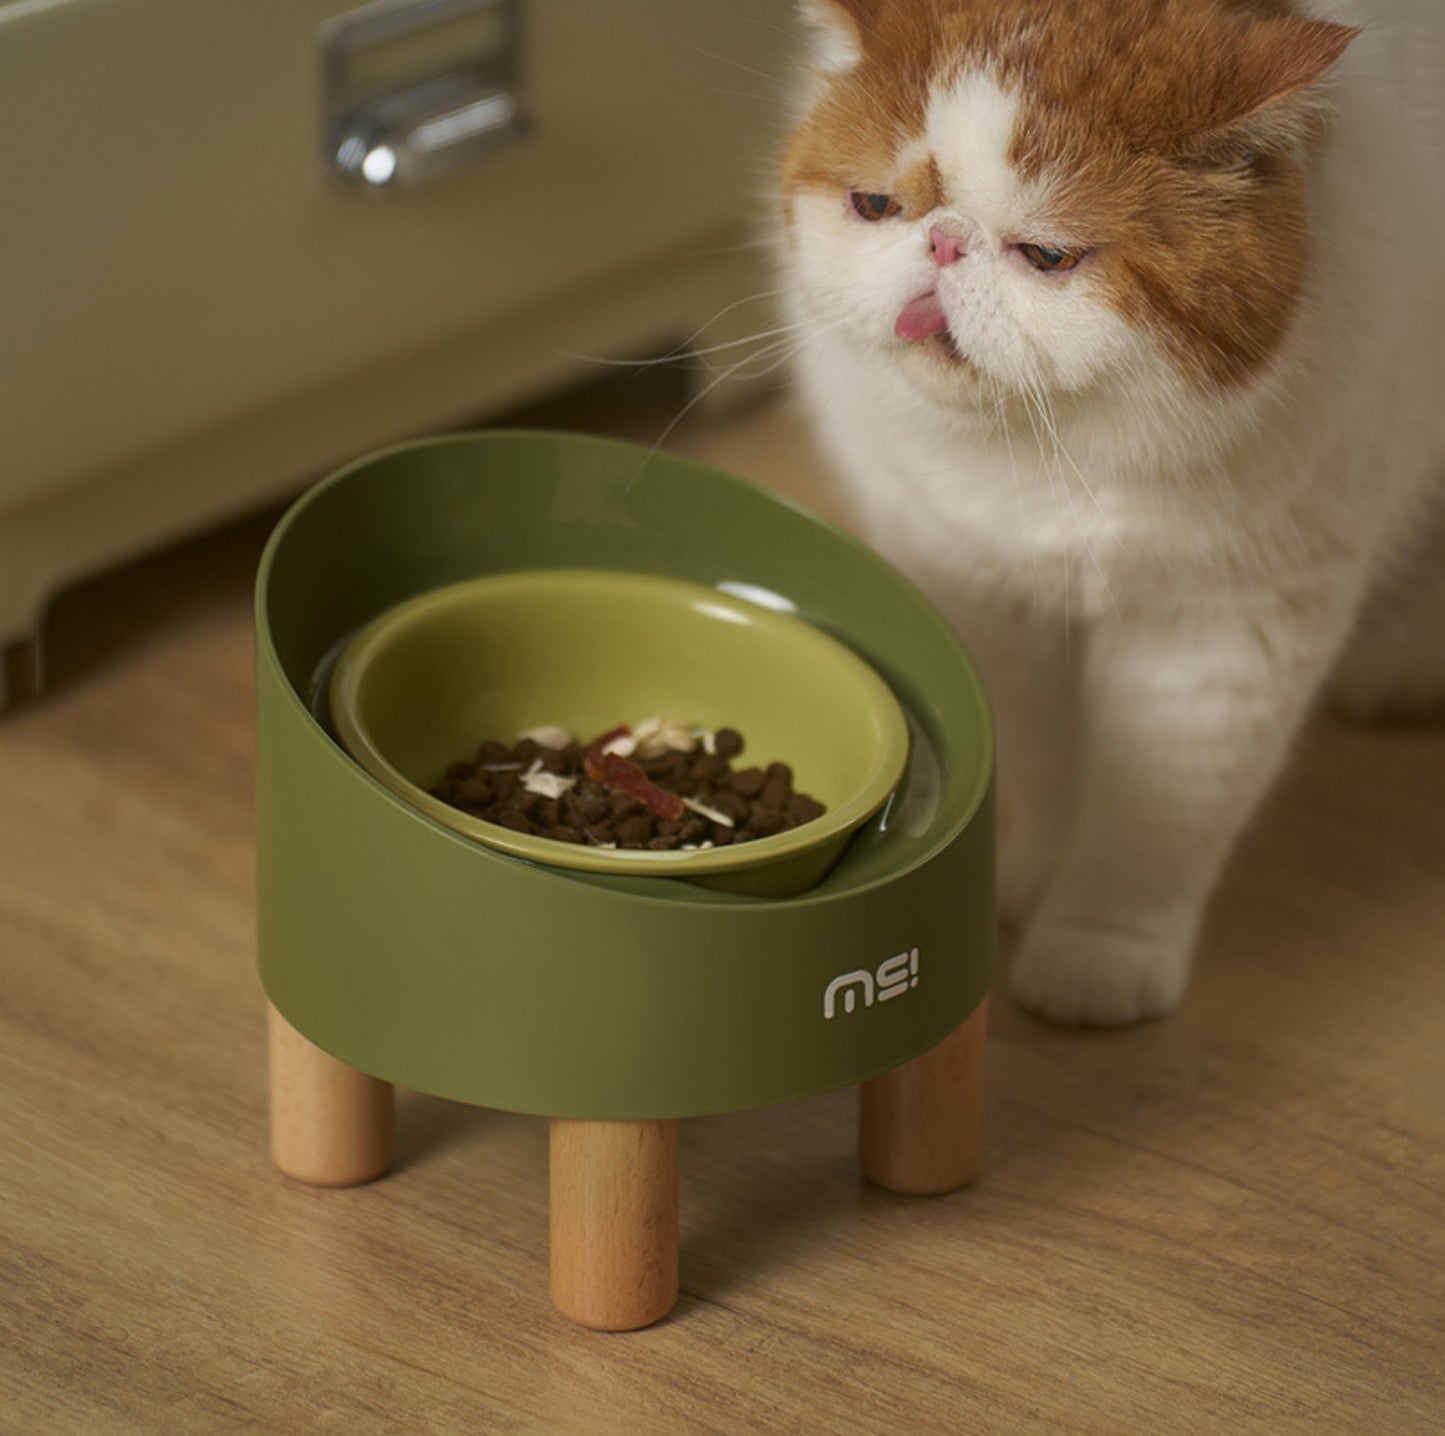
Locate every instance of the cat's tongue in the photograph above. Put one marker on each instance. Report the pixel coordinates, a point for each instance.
(921, 317)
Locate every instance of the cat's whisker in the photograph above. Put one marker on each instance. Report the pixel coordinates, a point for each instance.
(1048, 418)
(1062, 452)
(683, 358)
(1051, 475)
(779, 93)
(1001, 397)
(1036, 404)
(749, 339)
(789, 35)
(783, 349)
(784, 341)
(657, 361)
(686, 348)
(707, 54)
(688, 345)
(736, 304)
(1046, 413)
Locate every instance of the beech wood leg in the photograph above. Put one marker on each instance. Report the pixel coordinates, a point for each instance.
(920, 1126)
(613, 1212)
(331, 1126)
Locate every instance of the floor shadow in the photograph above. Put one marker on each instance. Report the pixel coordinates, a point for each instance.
(766, 1189)
(94, 625)
(427, 1127)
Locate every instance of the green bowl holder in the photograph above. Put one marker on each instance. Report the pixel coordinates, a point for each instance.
(425, 959)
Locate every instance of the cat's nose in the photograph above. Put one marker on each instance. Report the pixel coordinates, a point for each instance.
(946, 247)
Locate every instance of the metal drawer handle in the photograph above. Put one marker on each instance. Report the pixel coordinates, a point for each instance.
(417, 90)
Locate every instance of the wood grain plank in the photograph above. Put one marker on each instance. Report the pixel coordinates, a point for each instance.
(1233, 1220)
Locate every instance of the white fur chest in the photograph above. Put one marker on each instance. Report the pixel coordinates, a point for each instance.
(960, 506)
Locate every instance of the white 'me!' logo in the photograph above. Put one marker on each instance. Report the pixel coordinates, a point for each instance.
(895, 975)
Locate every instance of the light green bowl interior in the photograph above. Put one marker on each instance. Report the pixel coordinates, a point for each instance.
(427, 682)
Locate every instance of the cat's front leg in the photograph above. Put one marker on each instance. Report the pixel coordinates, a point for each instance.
(1185, 724)
(1031, 687)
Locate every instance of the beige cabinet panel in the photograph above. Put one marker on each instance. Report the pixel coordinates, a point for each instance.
(174, 262)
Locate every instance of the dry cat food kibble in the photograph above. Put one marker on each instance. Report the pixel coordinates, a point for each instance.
(660, 786)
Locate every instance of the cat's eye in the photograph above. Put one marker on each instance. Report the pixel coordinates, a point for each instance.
(1049, 260)
(874, 206)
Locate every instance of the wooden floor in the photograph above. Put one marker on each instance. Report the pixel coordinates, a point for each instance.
(1230, 1221)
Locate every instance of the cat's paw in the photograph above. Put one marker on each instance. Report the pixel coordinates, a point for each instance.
(1101, 977)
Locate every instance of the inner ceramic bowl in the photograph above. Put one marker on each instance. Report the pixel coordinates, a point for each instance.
(425, 684)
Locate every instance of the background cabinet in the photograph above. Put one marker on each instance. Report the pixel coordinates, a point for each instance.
(196, 318)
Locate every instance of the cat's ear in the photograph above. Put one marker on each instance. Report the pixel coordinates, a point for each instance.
(1276, 101)
(838, 27)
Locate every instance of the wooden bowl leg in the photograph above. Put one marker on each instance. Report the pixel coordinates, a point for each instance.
(920, 1126)
(613, 1210)
(331, 1126)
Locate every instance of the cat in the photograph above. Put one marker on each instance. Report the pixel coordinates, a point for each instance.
(1120, 323)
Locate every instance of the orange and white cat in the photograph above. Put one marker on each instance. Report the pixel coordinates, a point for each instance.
(1122, 325)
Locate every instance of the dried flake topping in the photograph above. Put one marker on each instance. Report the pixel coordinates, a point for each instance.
(549, 735)
(659, 734)
(712, 814)
(544, 784)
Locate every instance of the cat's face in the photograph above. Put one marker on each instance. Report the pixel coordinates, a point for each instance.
(1051, 196)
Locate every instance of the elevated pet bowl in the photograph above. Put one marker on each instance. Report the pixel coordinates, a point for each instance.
(396, 950)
